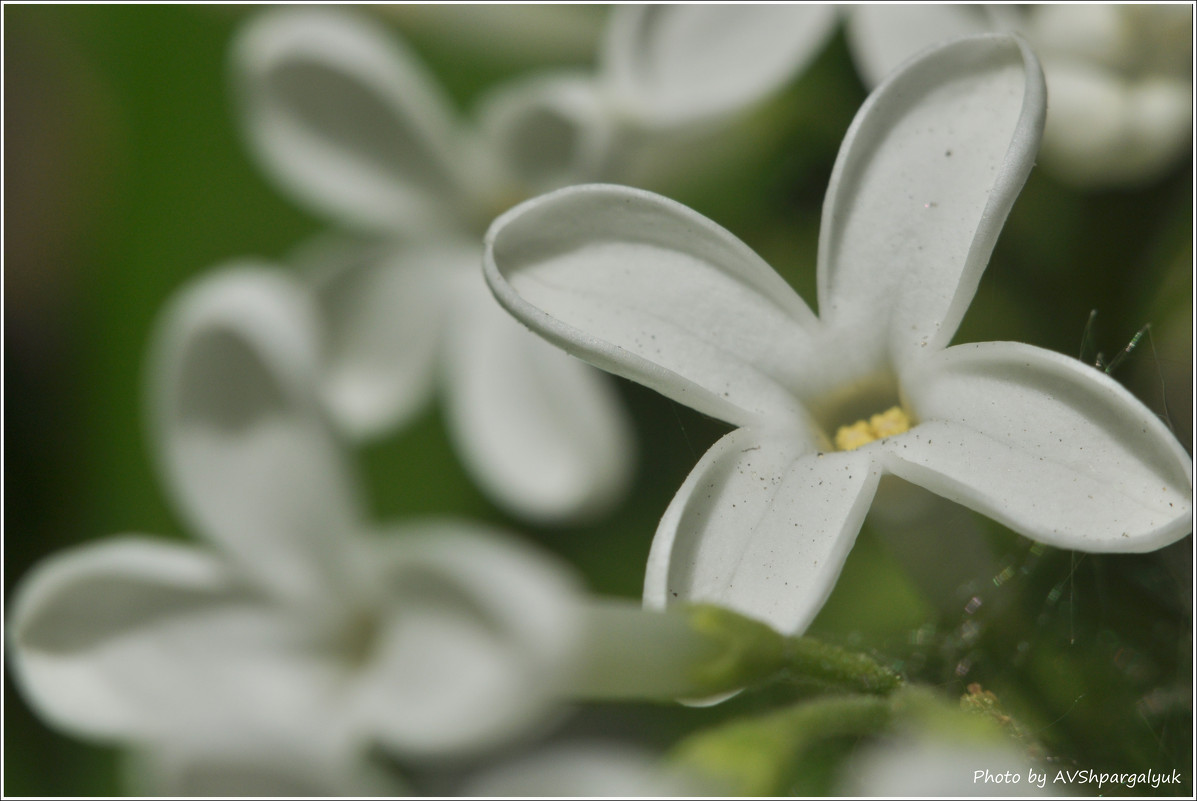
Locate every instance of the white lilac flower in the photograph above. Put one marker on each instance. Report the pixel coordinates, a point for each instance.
(296, 628)
(1119, 77)
(346, 120)
(826, 405)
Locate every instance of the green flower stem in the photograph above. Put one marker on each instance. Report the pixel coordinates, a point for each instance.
(811, 660)
(756, 756)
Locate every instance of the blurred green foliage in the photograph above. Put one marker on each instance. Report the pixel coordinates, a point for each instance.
(126, 176)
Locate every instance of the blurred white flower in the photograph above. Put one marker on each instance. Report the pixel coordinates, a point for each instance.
(295, 630)
(1119, 77)
(346, 120)
(648, 289)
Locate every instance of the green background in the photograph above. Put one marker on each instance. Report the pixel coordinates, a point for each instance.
(125, 176)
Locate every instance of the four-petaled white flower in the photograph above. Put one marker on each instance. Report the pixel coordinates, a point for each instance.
(297, 630)
(827, 405)
(1120, 77)
(347, 121)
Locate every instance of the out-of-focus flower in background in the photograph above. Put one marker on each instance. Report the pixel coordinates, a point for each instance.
(303, 635)
(349, 124)
(648, 289)
(298, 629)
(1119, 77)
(347, 121)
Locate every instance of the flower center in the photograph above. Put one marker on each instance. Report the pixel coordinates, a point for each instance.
(359, 638)
(879, 426)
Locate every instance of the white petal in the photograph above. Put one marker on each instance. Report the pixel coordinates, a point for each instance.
(548, 131)
(477, 645)
(239, 431)
(881, 37)
(542, 433)
(645, 288)
(383, 309)
(923, 182)
(1047, 445)
(629, 652)
(762, 525)
(346, 120)
(670, 65)
(136, 638)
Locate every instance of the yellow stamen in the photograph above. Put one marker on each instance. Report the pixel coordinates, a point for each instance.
(879, 426)
(852, 437)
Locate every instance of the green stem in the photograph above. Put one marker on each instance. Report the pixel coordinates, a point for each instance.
(810, 659)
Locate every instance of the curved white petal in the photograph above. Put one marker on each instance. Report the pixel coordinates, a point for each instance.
(923, 183)
(1043, 443)
(646, 288)
(762, 525)
(141, 639)
(882, 36)
(477, 645)
(383, 307)
(346, 120)
(548, 131)
(543, 434)
(240, 435)
(676, 64)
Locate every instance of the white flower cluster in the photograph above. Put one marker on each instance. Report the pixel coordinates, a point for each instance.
(300, 637)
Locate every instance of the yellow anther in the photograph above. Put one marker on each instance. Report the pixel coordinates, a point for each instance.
(851, 437)
(879, 426)
(891, 421)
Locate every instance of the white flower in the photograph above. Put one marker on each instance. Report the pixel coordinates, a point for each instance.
(345, 119)
(648, 289)
(295, 629)
(1119, 77)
